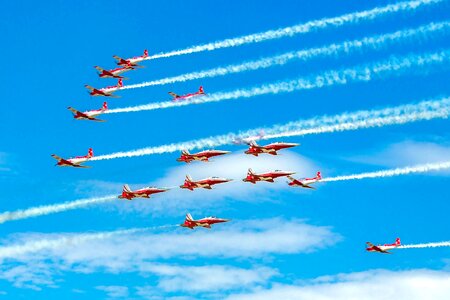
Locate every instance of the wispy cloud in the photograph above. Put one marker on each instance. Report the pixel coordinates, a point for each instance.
(114, 291)
(370, 285)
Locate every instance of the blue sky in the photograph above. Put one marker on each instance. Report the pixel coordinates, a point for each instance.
(280, 240)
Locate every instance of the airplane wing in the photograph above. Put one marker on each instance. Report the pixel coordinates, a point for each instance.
(175, 96)
(291, 178)
(89, 87)
(80, 166)
(95, 119)
(308, 186)
(57, 157)
(118, 58)
(73, 110)
(370, 244)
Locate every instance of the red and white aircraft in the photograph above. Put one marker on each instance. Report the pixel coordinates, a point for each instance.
(189, 222)
(255, 149)
(90, 114)
(106, 91)
(132, 62)
(114, 73)
(74, 161)
(250, 139)
(206, 183)
(128, 194)
(176, 97)
(383, 248)
(305, 182)
(200, 156)
(269, 176)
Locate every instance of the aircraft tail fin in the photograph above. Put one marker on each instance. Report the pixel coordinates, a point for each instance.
(398, 242)
(185, 152)
(319, 175)
(90, 153)
(189, 217)
(126, 188)
(145, 53)
(105, 106)
(200, 90)
(120, 83)
(250, 171)
(188, 178)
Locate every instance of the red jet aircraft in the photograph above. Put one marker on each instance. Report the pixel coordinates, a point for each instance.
(305, 182)
(187, 96)
(90, 114)
(189, 222)
(200, 156)
(206, 183)
(114, 73)
(383, 248)
(132, 62)
(107, 91)
(74, 161)
(269, 176)
(255, 149)
(128, 194)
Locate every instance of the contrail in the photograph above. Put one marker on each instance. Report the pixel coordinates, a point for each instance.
(392, 172)
(362, 73)
(427, 245)
(351, 18)
(346, 47)
(51, 209)
(425, 110)
(73, 240)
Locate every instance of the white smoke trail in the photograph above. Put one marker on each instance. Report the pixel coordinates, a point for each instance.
(329, 50)
(351, 18)
(402, 114)
(427, 245)
(51, 209)
(363, 73)
(72, 240)
(393, 172)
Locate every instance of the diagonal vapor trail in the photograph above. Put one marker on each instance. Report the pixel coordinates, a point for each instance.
(373, 42)
(334, 22)
(425, 110)
(393, 66)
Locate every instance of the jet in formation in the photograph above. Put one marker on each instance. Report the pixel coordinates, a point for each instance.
(199, 156)
(383, 248)
(269, 176)
(189, 222)
(106, 91)
(272, 148)
(176, 97)
(305, 182)
(74, 161)
(114, 73)
(131, 62)
(90, 114)
(128, 194)
(206, 183)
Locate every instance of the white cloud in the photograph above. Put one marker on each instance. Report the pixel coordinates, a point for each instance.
(374, 284)
(114, 291)
(209, 278)
(136, 252)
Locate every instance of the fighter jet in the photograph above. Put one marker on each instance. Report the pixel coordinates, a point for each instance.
(199, 156)
(131, 62)
(107, 91)
(383, 248)
(114, 73)
(90, 114)
(187, 96)
(74, 161)
(206, 183)
(305, 182)
(269, 176)
(272, 148)
(128, 194)
(189, 222)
